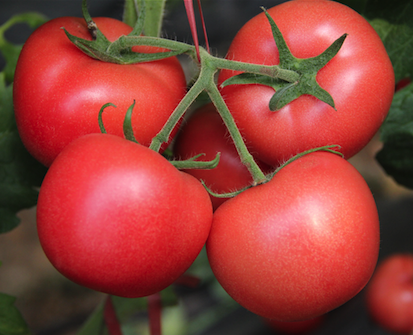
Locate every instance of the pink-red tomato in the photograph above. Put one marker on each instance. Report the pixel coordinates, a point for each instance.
(117, 217)
(204, 132)
(300, 245)
(389, 295)
(59, 90)
(360, 78)
(296, 327)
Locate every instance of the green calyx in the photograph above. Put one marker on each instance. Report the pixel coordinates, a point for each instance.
(307, 69)
(327, 148)
(120, 51)
(291, 78)
(190, 163)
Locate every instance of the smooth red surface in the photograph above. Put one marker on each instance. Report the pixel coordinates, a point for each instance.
(389, 295)
(117, 217)
(300, 245)
(360, 78)
(58, 90)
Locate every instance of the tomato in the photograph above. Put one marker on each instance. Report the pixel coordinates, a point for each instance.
(300, 245)
(297, 327)
(204, 132)
(59, 90)
(389, 295)
(360, 78)
(117, 217)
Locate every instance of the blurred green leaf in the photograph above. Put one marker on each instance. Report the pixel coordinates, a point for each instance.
(397, 136)
(10, 51)
(398, 40)
(393, 22)
(20, 174)
(11, 320)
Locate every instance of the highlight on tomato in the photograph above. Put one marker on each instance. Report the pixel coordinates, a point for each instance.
(117, 217)
(58, 92)
(360, 79)
(300, 245)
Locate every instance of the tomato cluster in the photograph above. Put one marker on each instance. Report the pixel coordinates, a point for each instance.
(118, 217)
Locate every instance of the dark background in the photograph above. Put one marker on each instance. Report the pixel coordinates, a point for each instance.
(54, 306)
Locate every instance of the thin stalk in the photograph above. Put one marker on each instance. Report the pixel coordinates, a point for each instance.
(155, 314)
(246, 158)
(111, 319)
(273, 71)
(177, 114)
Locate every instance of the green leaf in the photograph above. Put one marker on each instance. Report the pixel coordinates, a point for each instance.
(307, 69)
(20, 173)
(393, 22)
(11, 320)
(397, 136)
(10, 51)
(398, 40)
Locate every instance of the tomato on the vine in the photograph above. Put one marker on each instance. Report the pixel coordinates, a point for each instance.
(204, 132)
(360, 79)
(117, 217)
(59, 90)
(300, 245)
(389, 295)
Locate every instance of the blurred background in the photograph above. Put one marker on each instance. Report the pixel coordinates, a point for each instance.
(52, 305)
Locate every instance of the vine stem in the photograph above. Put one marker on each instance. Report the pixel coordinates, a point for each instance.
(274, 71)
(206, 82)
(111, 319)
(155, 314)
(243, 152)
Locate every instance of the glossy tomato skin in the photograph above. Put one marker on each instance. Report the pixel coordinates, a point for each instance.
(300, 245)
(58, 90)
(360, 78)
(389, 295)
(117, 217)
(205, 132)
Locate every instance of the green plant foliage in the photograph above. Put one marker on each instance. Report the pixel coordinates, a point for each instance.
(397, 135)
(392, 20)
(11, 321)
(20, 174)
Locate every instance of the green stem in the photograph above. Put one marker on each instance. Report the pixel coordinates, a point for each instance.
(206, 82)
(243, 152)
(177, 114)
(273, 71)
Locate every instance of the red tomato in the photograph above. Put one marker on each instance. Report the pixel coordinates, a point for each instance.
(117, 217)
(58, 90)
(204, 132)
(389, 295)
(360, 79)
(297, 327)
(300, 245)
